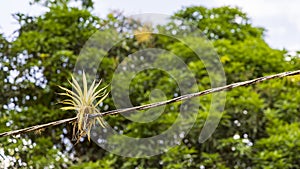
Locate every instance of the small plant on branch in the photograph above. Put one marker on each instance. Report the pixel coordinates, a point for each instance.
(84, 102)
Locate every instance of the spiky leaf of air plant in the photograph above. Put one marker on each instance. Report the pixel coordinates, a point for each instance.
(83, 102)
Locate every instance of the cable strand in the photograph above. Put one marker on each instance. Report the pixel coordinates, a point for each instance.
(156, 104)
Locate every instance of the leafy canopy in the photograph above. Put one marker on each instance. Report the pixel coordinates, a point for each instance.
(259, 127)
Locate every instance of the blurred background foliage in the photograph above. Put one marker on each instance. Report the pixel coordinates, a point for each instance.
(259, 127)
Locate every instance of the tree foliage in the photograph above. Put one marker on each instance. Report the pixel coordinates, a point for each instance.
(259, 127)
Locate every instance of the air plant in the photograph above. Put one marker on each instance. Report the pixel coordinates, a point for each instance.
(84, 102)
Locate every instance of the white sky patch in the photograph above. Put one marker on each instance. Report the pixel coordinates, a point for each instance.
(12, 75)
(236, 137)
(7, 23)
(281, 19)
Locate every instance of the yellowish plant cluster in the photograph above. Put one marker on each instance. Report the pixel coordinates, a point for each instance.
(84, 102)
(142, 34)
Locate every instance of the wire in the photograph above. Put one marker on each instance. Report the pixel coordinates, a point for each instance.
(156, 104)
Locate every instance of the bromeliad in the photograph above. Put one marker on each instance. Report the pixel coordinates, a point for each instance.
(84, 102)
